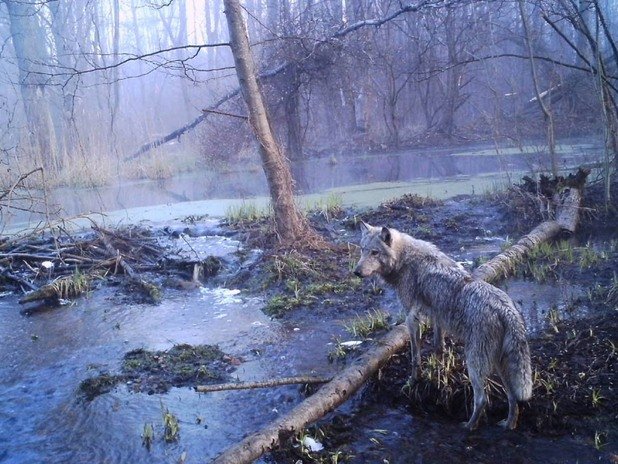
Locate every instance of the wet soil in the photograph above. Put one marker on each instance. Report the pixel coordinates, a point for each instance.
(572, 416)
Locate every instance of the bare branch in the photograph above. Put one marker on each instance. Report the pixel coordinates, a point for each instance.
(262, 384)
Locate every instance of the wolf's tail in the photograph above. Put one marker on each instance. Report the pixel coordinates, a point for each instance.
(516, 355)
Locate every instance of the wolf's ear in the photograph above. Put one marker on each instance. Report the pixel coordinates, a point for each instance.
(364, 227)
(385, 235)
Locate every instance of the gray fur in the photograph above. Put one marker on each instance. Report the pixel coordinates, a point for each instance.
(480, 315)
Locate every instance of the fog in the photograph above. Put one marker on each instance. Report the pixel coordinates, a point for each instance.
(90, 90)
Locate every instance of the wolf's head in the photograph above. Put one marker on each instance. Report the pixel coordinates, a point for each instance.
(377, 253)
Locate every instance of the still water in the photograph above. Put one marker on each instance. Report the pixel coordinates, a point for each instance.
(361, 180)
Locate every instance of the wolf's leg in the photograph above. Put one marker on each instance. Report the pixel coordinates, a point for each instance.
(477, 379)
(510, 422)
(415, 349)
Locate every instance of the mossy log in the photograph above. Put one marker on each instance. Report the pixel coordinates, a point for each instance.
(61, 288)
(46, 292)
(350, 380)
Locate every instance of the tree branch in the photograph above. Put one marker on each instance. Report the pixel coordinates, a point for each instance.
(261, 384)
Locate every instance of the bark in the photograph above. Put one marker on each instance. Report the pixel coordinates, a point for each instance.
(291, 80)
(547, 112)
(316, 406)
(213, 21)
(289, 223)
(177, 35)
(116, 55)
(502, 264)
(352, 378)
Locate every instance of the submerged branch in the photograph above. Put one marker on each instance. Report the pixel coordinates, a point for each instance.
(262, 384)
(323, 401)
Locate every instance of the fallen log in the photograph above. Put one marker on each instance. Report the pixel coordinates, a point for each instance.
(566, 202)
(320, 403)
(350, 380)
(62, 288)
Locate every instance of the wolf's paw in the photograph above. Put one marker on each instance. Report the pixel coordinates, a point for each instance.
(506, 425)
(470, 426)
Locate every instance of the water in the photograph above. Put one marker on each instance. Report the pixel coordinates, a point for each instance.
(363, 180)
(45, 355)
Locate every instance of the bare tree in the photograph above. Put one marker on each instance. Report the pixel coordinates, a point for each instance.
(32, 56)
(290, 224)
(547, 112)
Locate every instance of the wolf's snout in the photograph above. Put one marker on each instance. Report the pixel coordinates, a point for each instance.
(358, 273)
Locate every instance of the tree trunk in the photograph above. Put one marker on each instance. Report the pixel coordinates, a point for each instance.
(33, 58)
(290, 224)
(547, 112)
(352, 378)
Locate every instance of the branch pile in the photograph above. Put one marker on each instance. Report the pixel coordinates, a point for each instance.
(58, 267)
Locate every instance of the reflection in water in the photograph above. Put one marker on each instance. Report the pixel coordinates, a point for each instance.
(403, 170)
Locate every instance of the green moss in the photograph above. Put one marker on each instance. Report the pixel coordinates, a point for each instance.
(95, 386)
(282, 304)
(157, 371)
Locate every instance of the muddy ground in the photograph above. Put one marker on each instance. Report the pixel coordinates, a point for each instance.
(573, 414)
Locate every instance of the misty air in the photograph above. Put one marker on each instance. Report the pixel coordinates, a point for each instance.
(298, 231)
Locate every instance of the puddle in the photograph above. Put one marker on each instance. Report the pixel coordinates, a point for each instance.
(544, 304)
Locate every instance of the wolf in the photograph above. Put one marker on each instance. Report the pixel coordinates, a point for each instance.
(483, 317)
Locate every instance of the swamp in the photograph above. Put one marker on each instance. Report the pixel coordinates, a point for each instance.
(108, 360)
(183, 186)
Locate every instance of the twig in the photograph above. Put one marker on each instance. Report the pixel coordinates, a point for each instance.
(223, 113)
(19, 181)
(28, 256)
(262, 384)
(9, 275)
(149, 289)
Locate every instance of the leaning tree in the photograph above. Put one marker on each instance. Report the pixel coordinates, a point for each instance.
(290, 224)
